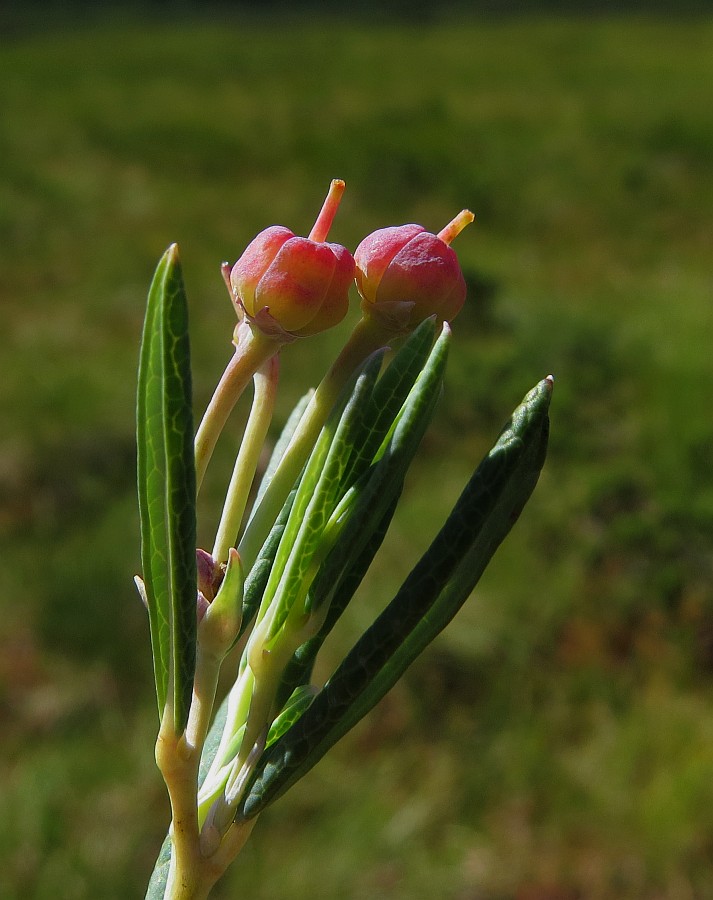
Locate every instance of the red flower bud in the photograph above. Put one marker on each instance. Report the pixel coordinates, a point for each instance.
(302, 282)
(406, 263)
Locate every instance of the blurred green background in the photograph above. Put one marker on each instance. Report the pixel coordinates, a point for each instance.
(556, 743)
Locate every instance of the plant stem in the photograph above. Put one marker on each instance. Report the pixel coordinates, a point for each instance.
(178, 759)
(178, 763)
(191, 874)
(204, 688)
(196, 882)
(252, 349)
(215, 866)
(265, 381)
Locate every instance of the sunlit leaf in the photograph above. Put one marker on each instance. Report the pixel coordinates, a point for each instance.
(166, 487)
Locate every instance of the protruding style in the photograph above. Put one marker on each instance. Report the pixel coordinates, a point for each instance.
(302, 283)
(407, 264)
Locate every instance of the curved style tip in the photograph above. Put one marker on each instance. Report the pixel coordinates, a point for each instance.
(324, 220)
(455, 226)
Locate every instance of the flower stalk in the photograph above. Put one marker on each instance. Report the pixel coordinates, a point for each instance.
(252, 349)
(266, 380)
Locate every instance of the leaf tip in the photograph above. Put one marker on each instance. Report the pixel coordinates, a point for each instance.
(141, 588)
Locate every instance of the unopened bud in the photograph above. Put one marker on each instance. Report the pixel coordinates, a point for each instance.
(303, 283)
(407, 264)
(220, 625)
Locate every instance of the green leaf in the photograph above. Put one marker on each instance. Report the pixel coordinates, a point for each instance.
(374, 497)
(317, 493)
(389, 395)
(258, 576)
(367, 500)
(166, 487)
(341, 579)
(295, 707)
(156, 889)
(429, 598)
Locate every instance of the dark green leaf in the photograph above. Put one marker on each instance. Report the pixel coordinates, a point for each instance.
(166, 487)
(426, 602)
(389, 395)
(379, 487)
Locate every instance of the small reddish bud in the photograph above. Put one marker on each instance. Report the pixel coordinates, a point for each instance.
(407, 264)
(210, 574)
(303, 283)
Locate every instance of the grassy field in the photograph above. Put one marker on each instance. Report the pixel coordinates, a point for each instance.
(556, 743)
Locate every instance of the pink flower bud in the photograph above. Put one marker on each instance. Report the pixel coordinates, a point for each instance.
(302, 282)
(406, 263)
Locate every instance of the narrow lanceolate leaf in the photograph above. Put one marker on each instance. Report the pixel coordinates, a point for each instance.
(166, 487)
(390, 393)
(429, 598)
(346, 576)
(373, 498)
(317, 494)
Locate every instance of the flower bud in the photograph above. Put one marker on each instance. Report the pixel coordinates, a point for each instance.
(210, 574)
(407, 264)
(303, 283)
(219, 626)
